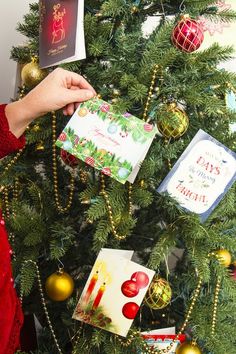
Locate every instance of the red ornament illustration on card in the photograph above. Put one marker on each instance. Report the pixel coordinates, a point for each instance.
(114, 292)
(58, 30)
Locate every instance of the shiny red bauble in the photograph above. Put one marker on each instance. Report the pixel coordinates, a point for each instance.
(187, 35)
(141, 279)
(69, 159)
(130, 310)
(129, 288)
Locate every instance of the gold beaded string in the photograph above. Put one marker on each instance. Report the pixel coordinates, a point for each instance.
(169, 347)
(215, 305)
(108, 204)
(42, 301)
(103, 191)
(55, 176)
(150, 92)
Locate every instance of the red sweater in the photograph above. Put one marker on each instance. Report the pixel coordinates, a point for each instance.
(11, 317)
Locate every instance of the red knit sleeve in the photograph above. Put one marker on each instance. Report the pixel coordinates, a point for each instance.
(8, 142)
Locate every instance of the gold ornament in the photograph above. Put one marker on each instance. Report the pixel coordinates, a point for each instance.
(59, 286)
(224, 257)
(82, 112)
(134, 9)
(32, 74)
(159, 294)
(188, 348)
(36, 128)
(116, 92)
(175, 123)
(40, 146)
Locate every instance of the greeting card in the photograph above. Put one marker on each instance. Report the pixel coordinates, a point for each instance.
(202, 175)
(113, 143)
(220, 31)
(162, 338)
(114, 291)
(61, 32)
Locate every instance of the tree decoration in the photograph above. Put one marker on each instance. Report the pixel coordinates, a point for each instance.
(130, 310)
(174, 122)
(188, 348)
(69, 159)
(40, 146)
(224, 257)
(130, 288)
(187, 35)
(59, 286)
(32, 74)
(159, 294)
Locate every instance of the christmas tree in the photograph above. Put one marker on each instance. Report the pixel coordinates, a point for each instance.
(60, 211)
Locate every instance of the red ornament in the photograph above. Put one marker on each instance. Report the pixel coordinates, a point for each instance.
(233, 270)
(130, 288)
(69, 159)
(105, 108)
(62, 137)
(130, 310)
(187, 35)
(148, 127)
(106, 171)
(90, 161)
(141, 279)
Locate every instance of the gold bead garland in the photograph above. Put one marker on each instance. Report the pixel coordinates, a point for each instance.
(55, 177)
(150, 92)
(169, 347)
(43, 301)
(215, 305)
(108, 204)
(103, 192)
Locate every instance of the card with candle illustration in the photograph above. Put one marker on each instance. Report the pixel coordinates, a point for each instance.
(113, 143)
(61, 32)
(114, 292)
(202, 175)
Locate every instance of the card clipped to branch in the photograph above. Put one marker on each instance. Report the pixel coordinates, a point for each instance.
(202, 175)
(113, 143)
(61, 32)
(114, 292)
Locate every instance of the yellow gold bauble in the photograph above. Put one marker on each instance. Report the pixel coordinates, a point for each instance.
(174, 121)
(59, 286)
(32, 74)
(188, 348)
(82, 112)
(224, 257)
(159, 294)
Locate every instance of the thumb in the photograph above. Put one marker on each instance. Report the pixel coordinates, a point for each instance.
(78, 95)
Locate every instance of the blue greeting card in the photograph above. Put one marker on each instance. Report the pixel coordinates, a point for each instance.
(202, 175)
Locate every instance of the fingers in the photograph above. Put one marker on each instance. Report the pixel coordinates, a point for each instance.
(74, 79)
(76, 96)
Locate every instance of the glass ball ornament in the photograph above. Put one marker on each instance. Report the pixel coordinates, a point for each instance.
(159, 294)
(59, 286)
(187, 35)
(32, 74)
(188, 348)
(224, 257)
(174, 121)
(69, 159)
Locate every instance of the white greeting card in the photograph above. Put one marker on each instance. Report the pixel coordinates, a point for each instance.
(202, 175)
(113, 292)
(116, 144)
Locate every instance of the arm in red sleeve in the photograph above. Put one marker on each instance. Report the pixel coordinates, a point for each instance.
(8, 142)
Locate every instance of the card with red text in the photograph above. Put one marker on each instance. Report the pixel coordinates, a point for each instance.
(202, 175)
(61, 32)
(113, 292)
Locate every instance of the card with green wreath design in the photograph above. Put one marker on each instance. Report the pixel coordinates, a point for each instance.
(115, 144)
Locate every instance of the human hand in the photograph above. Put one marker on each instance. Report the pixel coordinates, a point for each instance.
(60, 89)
